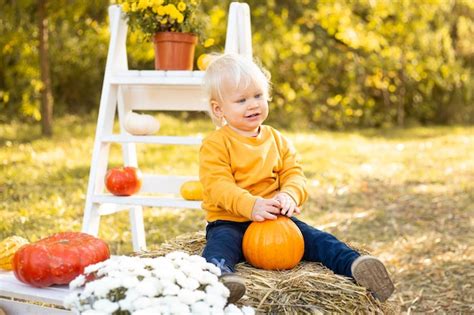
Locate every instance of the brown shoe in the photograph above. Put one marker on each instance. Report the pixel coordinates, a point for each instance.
(235, 284)
(370, 272)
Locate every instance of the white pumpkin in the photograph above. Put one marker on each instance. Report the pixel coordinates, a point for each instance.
(141, 124)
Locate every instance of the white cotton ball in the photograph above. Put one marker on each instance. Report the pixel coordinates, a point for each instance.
(161, 309)
(187, 296)
(94, 267)
(180, 277)
(94, 312)
(177, 255)
(147, 261)
(149, 287)
(162, 263)
(79, 281)
(187, 268)
(110, 273)
(168, 300)
(199, 295)
(126, 304)
(114, 283)
(231, 309)
(105, 306)
(188, 283)
(206, 278)
(217, 311)
(180, 308)
(216, 301)
(213, 269)
(167, 275)
(151, 311)
(141, 303)
(72, 301)
(247, 310)
(101, 287)
(90, 289)
(198, 260)
(171, 290)
(218, 289)
(129, 281)
(141, 272)
(200, 308)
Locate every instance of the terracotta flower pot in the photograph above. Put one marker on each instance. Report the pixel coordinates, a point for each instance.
(174, 51)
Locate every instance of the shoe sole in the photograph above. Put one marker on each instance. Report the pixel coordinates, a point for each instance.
(236, 287)
(371, 273)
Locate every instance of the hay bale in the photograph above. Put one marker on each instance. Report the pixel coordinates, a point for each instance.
(309, 288)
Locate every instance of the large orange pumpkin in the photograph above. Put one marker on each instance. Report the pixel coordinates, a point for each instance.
(273, 244)
(58, 259)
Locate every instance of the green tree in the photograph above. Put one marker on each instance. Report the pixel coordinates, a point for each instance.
(335, 64)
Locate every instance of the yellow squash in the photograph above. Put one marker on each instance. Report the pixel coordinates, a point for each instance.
(8, 248)
(191, 190)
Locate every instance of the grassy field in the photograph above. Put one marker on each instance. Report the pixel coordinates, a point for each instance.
(406, 195)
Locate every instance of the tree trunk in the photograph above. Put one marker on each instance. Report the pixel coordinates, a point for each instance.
(47, 101)
(401, 106)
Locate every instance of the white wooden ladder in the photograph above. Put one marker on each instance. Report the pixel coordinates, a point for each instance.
(124, 90)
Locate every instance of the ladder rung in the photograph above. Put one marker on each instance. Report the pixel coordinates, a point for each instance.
(151, 201)
(153, 139)
(145, 77)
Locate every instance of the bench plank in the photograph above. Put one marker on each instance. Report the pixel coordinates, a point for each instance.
(11, 287)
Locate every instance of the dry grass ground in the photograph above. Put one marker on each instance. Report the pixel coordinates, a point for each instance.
(407, 195)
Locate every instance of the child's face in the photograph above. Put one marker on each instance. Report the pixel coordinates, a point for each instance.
(244, 109)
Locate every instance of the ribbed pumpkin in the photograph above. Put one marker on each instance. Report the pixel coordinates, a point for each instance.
(191, 190)
(58, 259)
(273, 244)
(8, 247)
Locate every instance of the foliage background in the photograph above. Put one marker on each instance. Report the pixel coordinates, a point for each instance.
(405, 194)
(335, 64)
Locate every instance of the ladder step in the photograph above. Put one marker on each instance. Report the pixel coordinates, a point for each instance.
(146, 77)
(153, 139)
(151, 201)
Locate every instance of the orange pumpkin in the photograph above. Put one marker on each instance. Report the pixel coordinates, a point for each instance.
(273, 244)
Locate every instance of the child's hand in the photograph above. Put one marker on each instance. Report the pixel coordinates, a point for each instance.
(287, 204)
(263, 209)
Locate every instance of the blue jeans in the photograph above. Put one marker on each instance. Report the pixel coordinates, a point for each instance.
(224, 246)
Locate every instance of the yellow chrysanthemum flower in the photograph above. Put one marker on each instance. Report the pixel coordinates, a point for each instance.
(170, 9)
(125, 7)
(181, 6)
(164, 21)
(209, 42)
(134, 7)
(142, 4)
(180, 18)
(161, 10)
(157, 2)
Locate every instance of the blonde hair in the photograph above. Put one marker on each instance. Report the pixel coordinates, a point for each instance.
(235, 71)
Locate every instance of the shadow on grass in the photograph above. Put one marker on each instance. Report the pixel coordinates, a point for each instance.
(425, 237)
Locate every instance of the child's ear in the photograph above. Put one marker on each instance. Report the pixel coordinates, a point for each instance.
(216, 109)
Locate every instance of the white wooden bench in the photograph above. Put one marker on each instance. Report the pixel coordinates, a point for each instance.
(17, 298)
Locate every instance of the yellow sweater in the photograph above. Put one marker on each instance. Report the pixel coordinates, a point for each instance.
(235, 170)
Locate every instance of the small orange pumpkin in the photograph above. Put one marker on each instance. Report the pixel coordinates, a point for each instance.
(273, 244)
